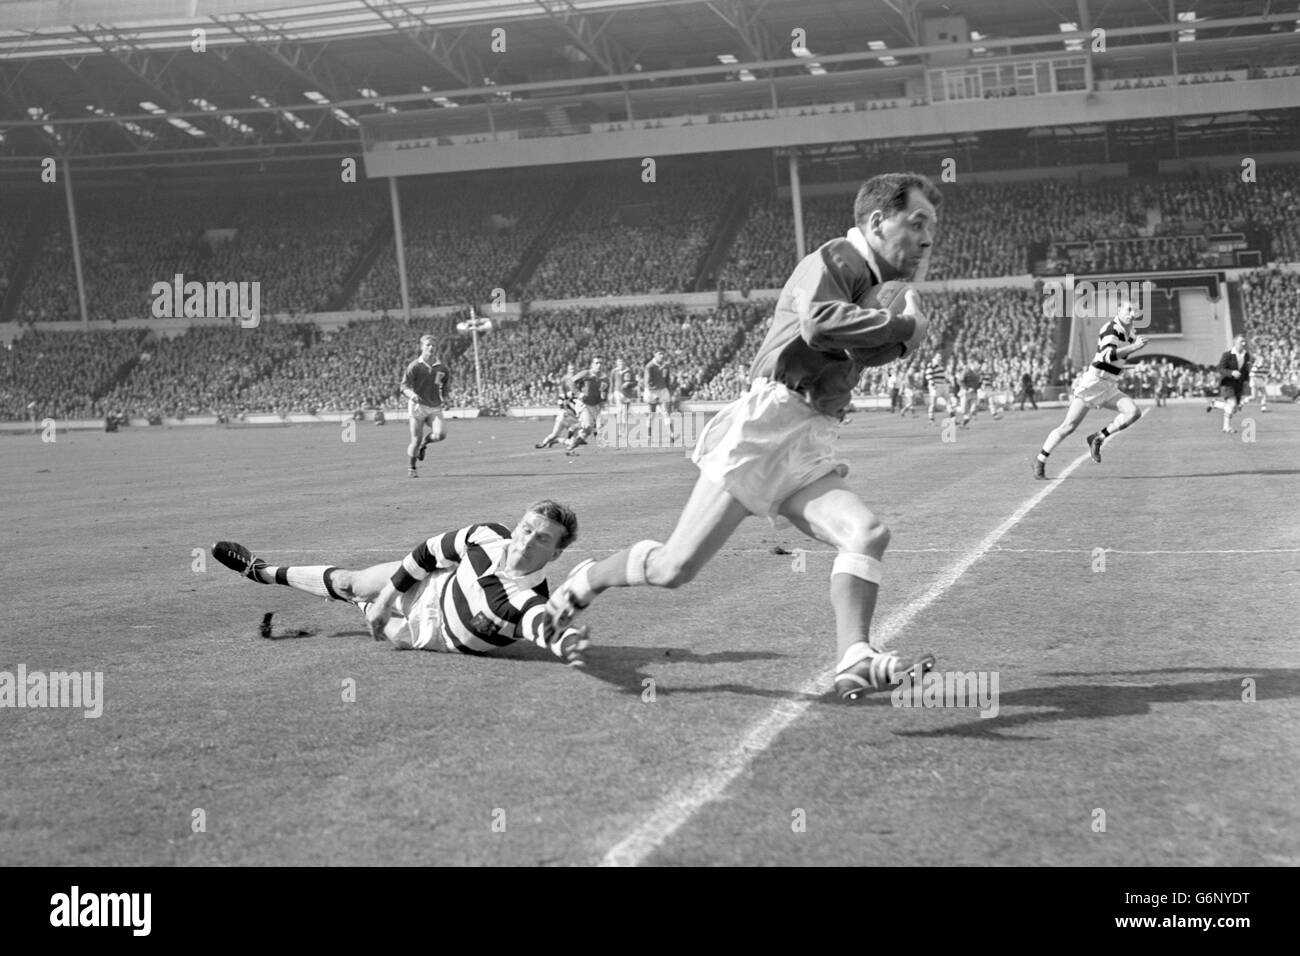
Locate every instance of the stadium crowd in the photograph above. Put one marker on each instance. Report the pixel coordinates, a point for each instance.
(205, 369)
(61, 374)
(465, 238)
(287, 367)
(1271, 300)
(992, 229)
(299, 251)
(356, 367)
(697, 346)
(461, 242)
(629, 237)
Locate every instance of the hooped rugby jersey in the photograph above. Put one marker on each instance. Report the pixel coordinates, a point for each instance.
(483, 606)
(1110, 339)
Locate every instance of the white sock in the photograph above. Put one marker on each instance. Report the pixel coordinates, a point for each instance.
(857, 651)
(309, 579)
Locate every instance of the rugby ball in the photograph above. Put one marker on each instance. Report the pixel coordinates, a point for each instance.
(891, 295)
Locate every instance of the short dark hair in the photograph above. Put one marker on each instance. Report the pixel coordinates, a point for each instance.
(888, 192)
(560, 514)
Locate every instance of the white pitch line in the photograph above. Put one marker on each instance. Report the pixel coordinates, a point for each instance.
(675, 810)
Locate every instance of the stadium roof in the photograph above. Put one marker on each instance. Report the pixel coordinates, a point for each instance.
(125, 78)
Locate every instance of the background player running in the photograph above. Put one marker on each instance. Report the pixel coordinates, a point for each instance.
(937, 384)
(591, 385)
(425, 385)
(1098, 387)
(771, 452)
(470, 591)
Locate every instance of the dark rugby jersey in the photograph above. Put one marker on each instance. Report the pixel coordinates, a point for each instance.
(428, 382)
(828, 327)
(592, 387)
(656, 376)
(625, 382)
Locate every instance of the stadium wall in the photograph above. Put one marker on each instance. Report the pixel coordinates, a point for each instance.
(428, 153)
(1094, 172)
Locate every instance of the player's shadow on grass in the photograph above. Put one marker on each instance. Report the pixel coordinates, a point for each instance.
(1092, 701)
(625, 668)
(1215, 474)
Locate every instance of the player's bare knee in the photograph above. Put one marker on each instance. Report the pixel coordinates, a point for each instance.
(340, 581)
(867, 536)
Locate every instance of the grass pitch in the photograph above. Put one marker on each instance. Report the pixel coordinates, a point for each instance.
(1126, 616)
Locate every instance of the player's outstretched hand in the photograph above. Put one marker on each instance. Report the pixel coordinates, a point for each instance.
(1140, 342)
(911, 303)
(912, 309)
(571, 646)
(377, 616)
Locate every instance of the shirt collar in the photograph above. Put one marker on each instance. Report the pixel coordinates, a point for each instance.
(859, 242)
(527, 581)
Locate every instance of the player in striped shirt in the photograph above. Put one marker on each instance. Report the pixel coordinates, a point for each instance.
(470, 591)
(1259, 373)
(1098, 387)
(937, 384)
(425, 385)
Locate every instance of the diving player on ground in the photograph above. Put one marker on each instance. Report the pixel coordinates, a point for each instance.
(469, 591)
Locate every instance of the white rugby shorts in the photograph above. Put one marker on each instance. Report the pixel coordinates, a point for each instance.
(417, 621)
(420, 412)
(766, 445)
(1097, 388)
